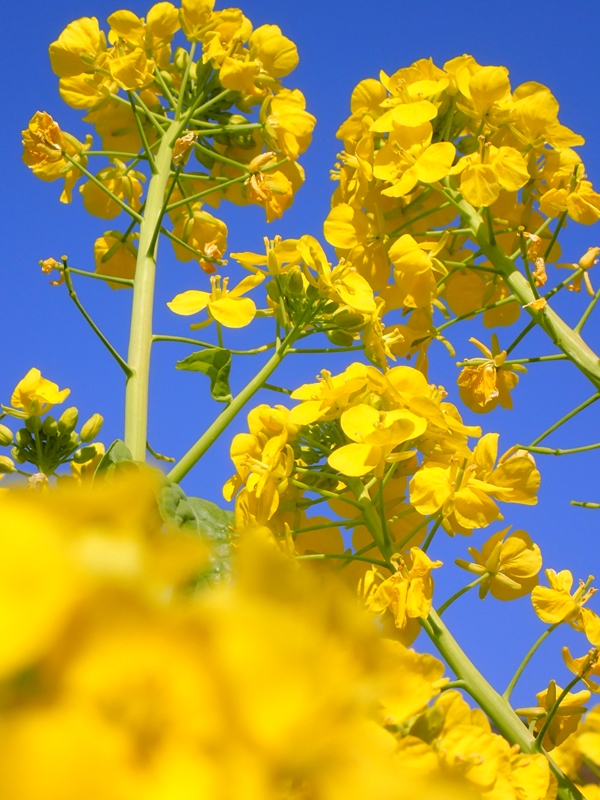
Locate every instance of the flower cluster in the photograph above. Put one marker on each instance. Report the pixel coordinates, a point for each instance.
(139, 87)
(425, 148)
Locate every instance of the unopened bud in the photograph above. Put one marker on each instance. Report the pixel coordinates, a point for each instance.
(341, 338)
(23, 437)
(273, 291)
(181, 58)
(183, 147)
(49, 426)
(6, 436)
(68, 420)
(33, 424)
(588, 259)
(295, 281)
(7, 465)
(85, 454)
(74, 441)
(91, 428)
(19, 456)
(344, 318)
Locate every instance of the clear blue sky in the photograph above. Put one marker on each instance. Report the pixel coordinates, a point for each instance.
(340, 42)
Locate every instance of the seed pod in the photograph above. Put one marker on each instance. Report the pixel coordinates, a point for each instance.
(6, 436)
(91, 428)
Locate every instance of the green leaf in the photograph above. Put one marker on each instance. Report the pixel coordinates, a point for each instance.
(118, 456)
(205, 518)
(216, 363)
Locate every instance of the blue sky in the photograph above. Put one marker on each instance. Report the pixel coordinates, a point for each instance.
(340, 42)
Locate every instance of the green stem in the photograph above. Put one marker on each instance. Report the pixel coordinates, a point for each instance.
(532, 360)
(73, 295)
(348, 557)
(559, 224)
(495, 706)
(142, 133)
(272, 388)
(532, 650)
(431, 534)
(184, 81)
(97, 276)
(587, 312)
(185, 340)
(114, 154)
(552, 451)
(372, 520)
(324, 493)
(137, 217)
(566, 418)
(208, 438)
(468, 315)
(140, 340)
(584, 504)
(519, 338)
(460, 593)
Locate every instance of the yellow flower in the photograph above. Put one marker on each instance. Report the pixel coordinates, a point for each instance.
(485, 385)
(226, 307)
(36, 395)
(125, 183)
(408, 158)
(564, 722)
(194, 15)
(116, 125)
(288, 126)
(556, 604)
(484, 175)
(202, 232)
(408, 593)
(510, 565)
(44, 144)
(414, 273)
(375, 435)
(585, 667)
(131, 69)
(341, 284)
(116, 256)
(77, 48)
(273, 190)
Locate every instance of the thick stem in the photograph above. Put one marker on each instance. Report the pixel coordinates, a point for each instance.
(495, 706)
(140, 339)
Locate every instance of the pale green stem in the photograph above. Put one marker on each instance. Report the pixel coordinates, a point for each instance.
(137, 217)
(584, 504)
(460, 593)
(348, 557)
(97, 276)
(184, 81)
(566, 418)
(496, 707)
(142, 133)
(324, 493)
(553, 451)
(209, 345)
(587, 312)
(208, 438)
(140, 340)
(559, 332)
(532, 360)
(533, 649)
(73, 295)
(482, 310)
(371, 517)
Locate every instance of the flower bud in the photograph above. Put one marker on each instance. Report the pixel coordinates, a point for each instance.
(91, 428)
(6, 465)
(49, 426)
(273, 291)
(33, 424)
(19, 455)
(23, 437)
(345, 318)
(6, 436)
(85, 454)
(181, 58)
(295, 282)
(341, 338)
(68, 420)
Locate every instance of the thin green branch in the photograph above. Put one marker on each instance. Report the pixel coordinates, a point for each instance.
(566, 418)
(510, 362)
(148, 153)
(584, 504)
(553, 451)
(137, 217)
(552, 713)
(186, 340)
(347, 556)
(586, 314)
(510, 299)
(73, 295)
(460, 593)
(530, 653)
(97, 276)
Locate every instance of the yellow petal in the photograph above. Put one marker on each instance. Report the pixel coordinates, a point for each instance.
(434, 164)
(189, 302)
(479, 185)
(355, 460)
(233, 312)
